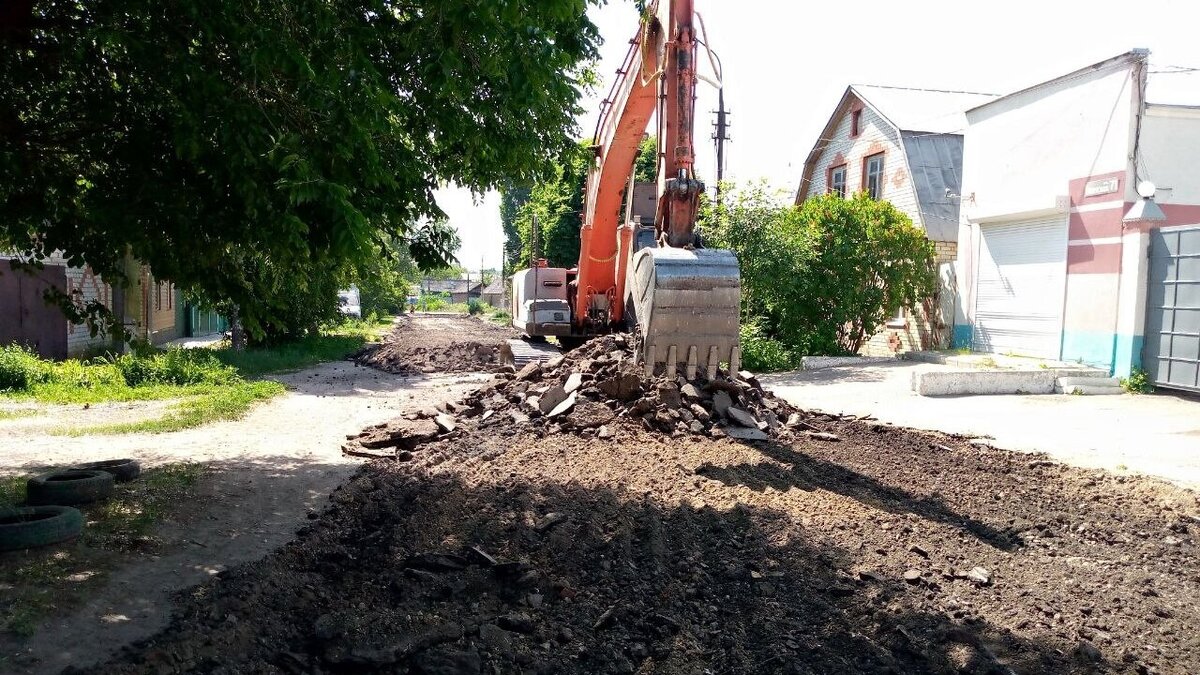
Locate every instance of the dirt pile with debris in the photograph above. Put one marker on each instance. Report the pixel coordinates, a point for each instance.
(422, 344)
(523, 531)
(588, 392)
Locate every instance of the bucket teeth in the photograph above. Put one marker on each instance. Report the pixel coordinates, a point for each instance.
(652, 358)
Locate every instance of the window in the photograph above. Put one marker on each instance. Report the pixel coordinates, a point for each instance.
(855, 123)
(898, 319)
(873, 175)
(837, 180)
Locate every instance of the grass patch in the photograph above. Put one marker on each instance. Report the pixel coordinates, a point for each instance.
(224, 403)
(332, 344)
(212, 384)
(39, 582)
(501, 317)
(18, 413)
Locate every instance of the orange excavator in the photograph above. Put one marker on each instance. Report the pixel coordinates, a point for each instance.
(655, 278)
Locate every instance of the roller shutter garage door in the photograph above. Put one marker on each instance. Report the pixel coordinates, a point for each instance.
(1172, 351)
(1019, 289)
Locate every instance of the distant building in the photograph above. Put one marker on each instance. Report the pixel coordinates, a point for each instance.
(458, 290)
(495, 294)
(904, 146)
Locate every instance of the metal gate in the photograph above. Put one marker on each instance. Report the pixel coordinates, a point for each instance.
(1020, 285)
(25, 318)
(1172, 351)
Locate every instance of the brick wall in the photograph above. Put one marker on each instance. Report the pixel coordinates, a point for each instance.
(160, 307)
(925, 327)
(86, 286)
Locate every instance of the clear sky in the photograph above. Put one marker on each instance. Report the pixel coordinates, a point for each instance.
(787, 62)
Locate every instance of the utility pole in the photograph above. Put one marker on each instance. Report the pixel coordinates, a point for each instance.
(720, 136)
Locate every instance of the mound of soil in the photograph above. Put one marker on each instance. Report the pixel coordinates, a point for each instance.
(588, 391)
(612, 534)
(436, 344)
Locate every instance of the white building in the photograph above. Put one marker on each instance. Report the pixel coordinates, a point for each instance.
(1049, 264)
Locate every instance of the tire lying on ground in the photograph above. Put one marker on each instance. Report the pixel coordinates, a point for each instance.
(65, 488)
(123, 470)
(33, 526)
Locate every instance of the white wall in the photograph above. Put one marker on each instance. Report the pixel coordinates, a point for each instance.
(1170, 151)
(1020, 151)
(877, 136)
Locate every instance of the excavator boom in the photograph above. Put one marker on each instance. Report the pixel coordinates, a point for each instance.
(683, 298)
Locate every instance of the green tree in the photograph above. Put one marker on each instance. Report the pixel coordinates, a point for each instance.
(557, 203)
(384, 281)
(645, 167)
(243, 150)
(512, 198)
(447, 272)
(822, 277)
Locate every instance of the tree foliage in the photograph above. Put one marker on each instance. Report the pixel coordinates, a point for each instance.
(252, 152)
(557, 203)
(384, 281)
(822, 277)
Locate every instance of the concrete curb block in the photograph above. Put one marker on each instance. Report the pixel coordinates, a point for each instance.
(960, 383)
(820, 362)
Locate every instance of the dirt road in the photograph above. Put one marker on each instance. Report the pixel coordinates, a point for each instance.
(438, 343)
(546, 544)
(264, 473)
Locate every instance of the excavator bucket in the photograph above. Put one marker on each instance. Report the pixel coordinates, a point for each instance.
(687, 303)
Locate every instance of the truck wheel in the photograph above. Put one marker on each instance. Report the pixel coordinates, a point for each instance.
(34, 526)
(123, 470)
(69, 487)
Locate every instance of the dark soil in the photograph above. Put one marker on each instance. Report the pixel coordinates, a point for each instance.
(436, 344)
(616, 538)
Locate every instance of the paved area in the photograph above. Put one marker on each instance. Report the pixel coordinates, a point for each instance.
(1157, 434)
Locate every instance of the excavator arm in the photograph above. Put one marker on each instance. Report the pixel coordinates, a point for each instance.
(683, 298)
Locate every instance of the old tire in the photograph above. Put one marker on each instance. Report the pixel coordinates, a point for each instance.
(33, 526)
(65, 488)
(124, 470)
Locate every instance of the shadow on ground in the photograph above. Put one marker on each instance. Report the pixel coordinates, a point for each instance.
(398, 576)
(78, 602)
(792, 469)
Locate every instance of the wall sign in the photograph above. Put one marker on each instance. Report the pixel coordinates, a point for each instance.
(1101, 186)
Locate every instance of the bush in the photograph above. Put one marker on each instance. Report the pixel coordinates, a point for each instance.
(21, 369)
(762, 354)
(175, 366)
(822, 277)
(1138, 382)
(476, 306)
(433, 302)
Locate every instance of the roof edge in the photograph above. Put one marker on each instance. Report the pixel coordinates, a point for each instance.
(1126, 58)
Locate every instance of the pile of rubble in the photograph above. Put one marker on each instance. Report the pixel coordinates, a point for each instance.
(459, 357)
(593, 391)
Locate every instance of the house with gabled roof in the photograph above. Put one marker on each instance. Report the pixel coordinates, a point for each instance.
(904, 145)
